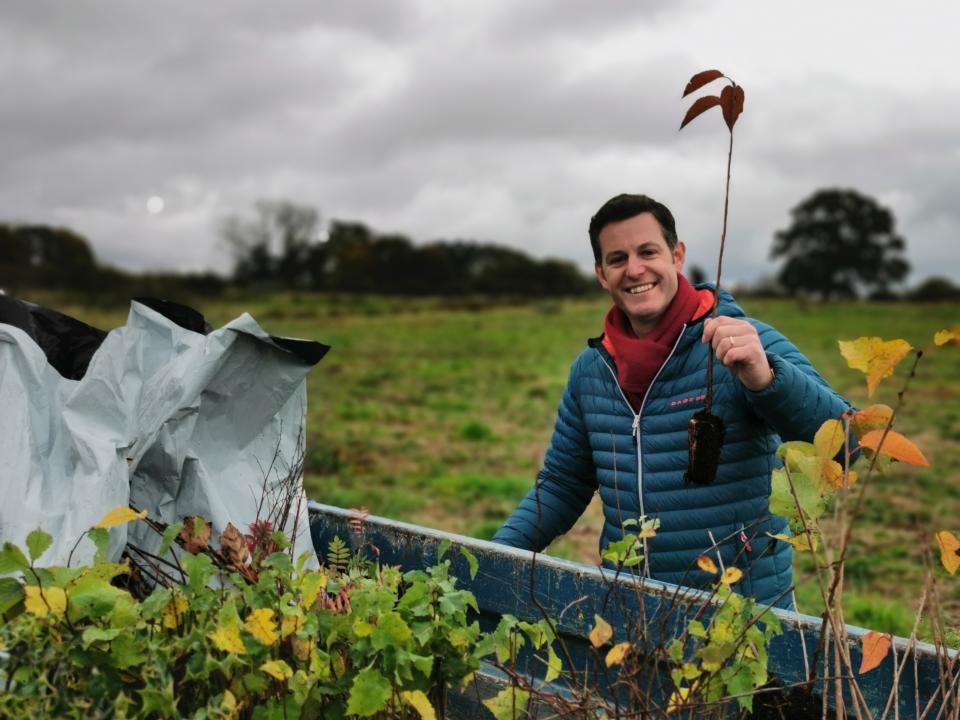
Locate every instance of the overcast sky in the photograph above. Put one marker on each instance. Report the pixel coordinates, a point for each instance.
(507, 122)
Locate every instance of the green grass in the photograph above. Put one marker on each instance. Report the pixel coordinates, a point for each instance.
(438, 412)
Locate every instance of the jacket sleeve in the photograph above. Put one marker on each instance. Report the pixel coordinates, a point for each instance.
(799, 400)
(564, 485)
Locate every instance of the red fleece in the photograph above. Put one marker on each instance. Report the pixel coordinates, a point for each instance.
(639, 359)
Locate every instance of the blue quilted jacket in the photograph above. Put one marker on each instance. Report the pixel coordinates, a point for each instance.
(599, 443)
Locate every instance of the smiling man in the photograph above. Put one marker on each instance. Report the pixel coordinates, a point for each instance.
(622, 423)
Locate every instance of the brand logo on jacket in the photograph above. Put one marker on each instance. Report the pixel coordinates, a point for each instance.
(688, 400)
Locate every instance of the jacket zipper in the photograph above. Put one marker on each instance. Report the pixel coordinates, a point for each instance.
(636, 431)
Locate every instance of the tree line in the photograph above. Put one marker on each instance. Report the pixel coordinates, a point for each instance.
(285, 246)
(839, 244)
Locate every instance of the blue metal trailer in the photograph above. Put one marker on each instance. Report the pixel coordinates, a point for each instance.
(514, 582)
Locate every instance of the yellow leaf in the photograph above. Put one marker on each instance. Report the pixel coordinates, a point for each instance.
(947, 337)
(120, 516)
(173, 611)
(227, 638)
(302, 648)
(310, 586)
(290, 624)
(260, 624)
(731, 575)
(896, 446)
(43, 601)
(707, 565)
(874, 647)
(875, 417)
(829, 439)
(801, 543)
(833, 474)
(874, 357)
(419, 702)
(617, 654)
(678, 699)
(601, 633)
(949, 550)
(277, 669)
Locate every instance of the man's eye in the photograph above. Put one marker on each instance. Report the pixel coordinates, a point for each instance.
(618, 260)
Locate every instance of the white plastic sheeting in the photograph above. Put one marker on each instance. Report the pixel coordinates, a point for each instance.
(169, 420)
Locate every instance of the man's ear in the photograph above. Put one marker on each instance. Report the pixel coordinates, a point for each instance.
(598, 269)
(679, 255)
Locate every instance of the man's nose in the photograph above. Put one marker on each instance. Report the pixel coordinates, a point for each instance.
(636, 266)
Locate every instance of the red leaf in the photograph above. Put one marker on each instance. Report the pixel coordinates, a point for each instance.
(731, 101)
(701, 105)
(701, 79)
(875, 648)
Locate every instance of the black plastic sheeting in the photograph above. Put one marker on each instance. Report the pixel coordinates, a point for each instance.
(69, 344)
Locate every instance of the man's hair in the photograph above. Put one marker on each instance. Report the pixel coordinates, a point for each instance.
(626, 206)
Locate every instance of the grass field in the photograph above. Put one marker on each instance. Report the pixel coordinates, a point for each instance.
(438, 412)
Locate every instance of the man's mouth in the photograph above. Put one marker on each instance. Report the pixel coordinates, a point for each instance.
(636, 290)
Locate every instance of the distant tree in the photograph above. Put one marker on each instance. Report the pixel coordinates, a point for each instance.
(935, 289)
(276, 247)
(839, 242)
(44, 256)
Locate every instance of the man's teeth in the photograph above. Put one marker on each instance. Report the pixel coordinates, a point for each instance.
(641, 288)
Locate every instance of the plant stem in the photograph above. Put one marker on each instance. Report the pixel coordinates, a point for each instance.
(708, 401)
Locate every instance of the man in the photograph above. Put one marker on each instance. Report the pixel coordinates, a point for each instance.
(622, 423)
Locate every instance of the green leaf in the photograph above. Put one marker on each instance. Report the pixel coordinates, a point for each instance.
(171, 533)
(280, 538)
(509, 704)
(12, 559)
(95, 634)
(101, 539)
(369, 693)
(11, 593)
(93, 598)
(696, 629)
(158, 703)
(782, 501)
(37, 542)
(554, 666)
(472, 560)
(442, 549)
(391, 631)
(199, 569)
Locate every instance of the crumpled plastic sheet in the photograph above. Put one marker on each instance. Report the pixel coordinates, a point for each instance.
(168, 419)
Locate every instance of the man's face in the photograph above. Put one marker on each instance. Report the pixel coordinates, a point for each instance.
(638, 269)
